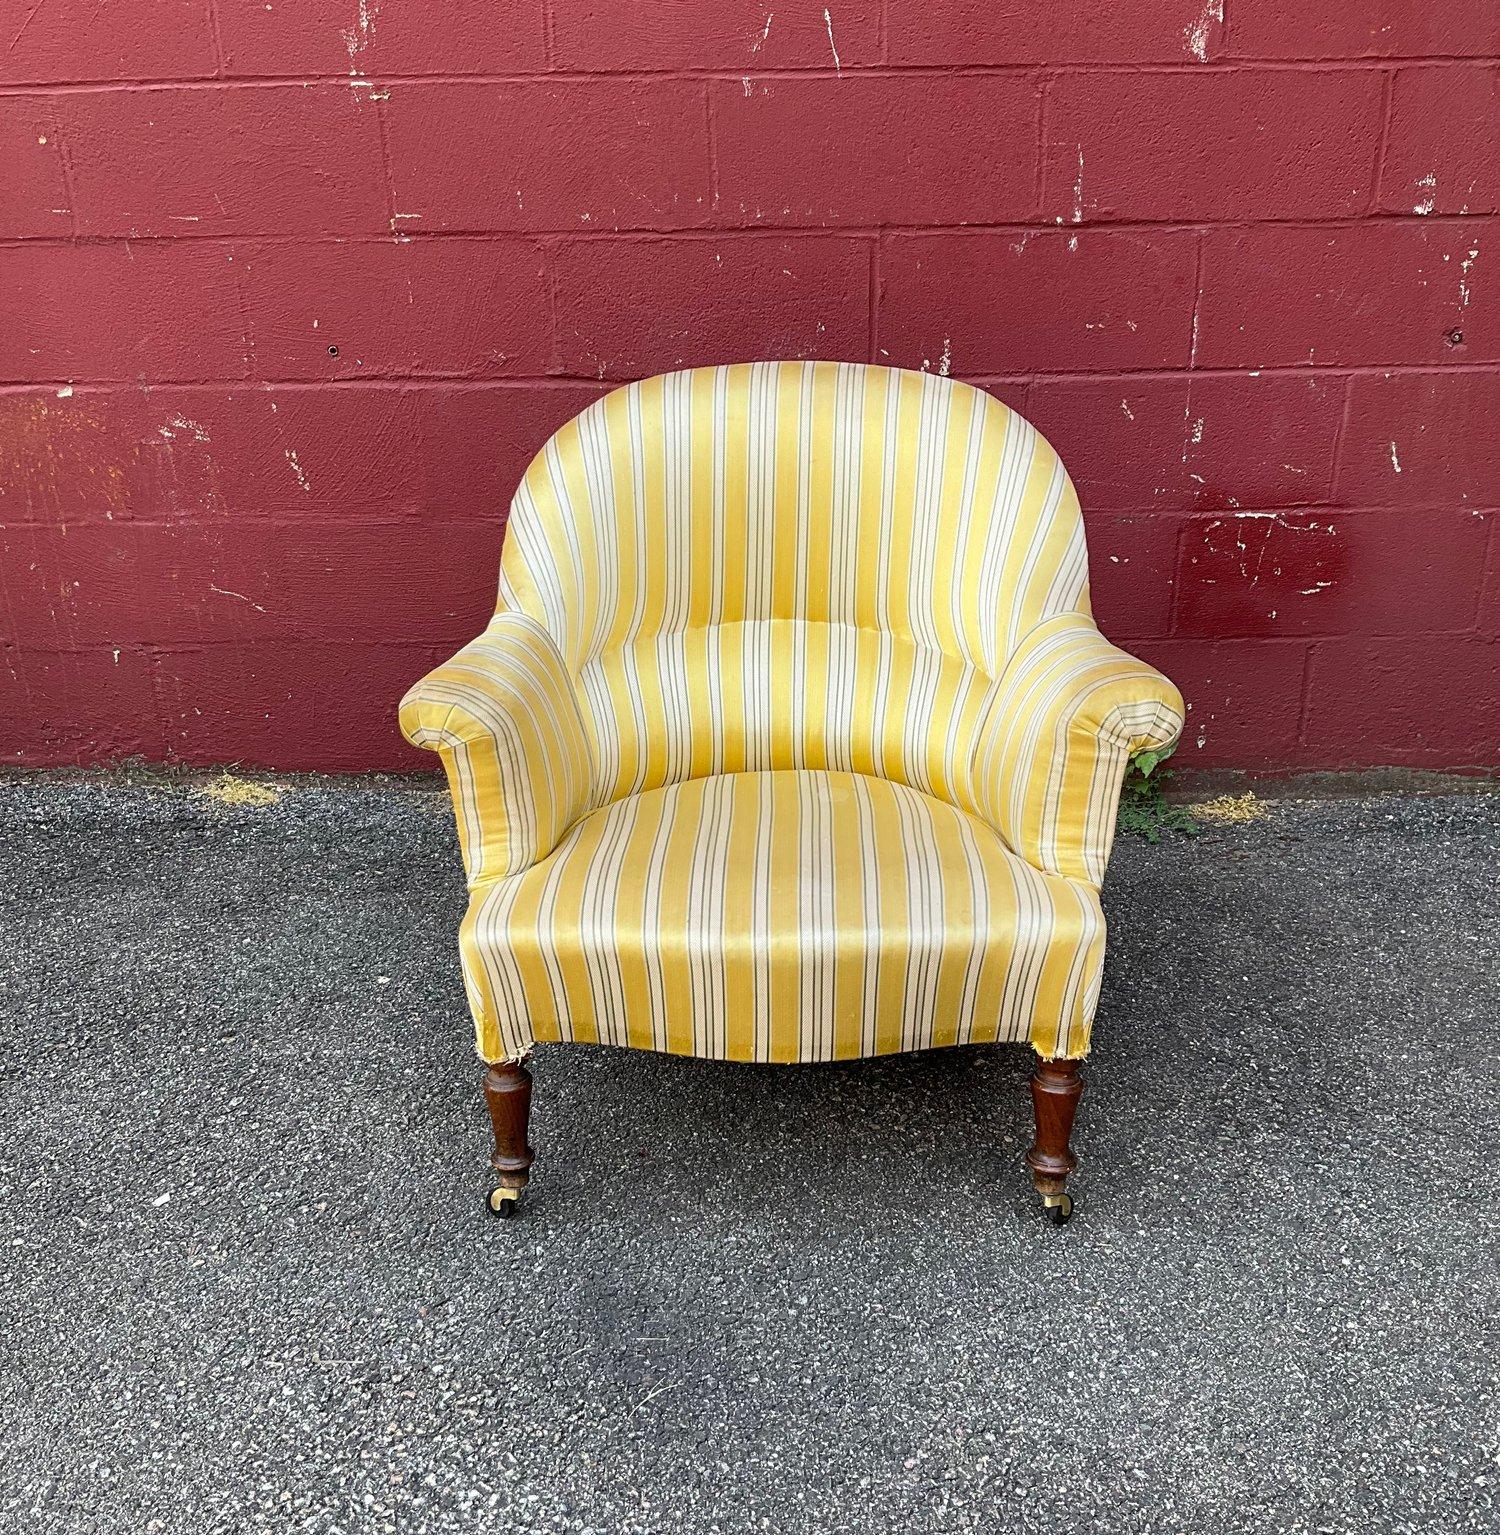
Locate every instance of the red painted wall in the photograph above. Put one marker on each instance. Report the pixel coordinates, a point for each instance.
(290, 292)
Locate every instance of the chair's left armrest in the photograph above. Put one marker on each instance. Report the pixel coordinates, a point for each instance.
(1065, 717)
(504, 716)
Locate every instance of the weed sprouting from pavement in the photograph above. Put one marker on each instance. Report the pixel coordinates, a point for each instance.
(1144, 808)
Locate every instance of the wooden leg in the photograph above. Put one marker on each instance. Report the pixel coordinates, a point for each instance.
(507, 1091)
(1055, 1090)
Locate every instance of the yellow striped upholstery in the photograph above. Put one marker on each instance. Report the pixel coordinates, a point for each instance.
(505, 716)
(1068, 713)
(792, 737)
(784, 916)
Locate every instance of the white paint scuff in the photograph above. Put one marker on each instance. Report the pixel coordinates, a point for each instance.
(224, 591)
(180, 424)
(1429, 202)
(356, 39)
(359, 37)
(297, 469)
(759, 42)
(1464, 268)
(1197, 35)
(833, 47)
(1395, 462)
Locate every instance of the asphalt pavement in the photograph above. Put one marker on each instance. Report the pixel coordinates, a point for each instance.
(246, 1282)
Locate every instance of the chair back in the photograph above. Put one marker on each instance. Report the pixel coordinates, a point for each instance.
(791, 565)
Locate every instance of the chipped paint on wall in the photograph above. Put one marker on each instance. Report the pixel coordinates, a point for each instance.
(1199, 33)
(361, 34)
(302, 480)
(1224, 279)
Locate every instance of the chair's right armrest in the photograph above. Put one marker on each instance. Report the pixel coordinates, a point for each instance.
(504, 716)
(1065, 718)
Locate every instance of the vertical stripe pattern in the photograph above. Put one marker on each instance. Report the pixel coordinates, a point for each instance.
(1058, 732)
(792, 737)
(784, 916)
(505, 716)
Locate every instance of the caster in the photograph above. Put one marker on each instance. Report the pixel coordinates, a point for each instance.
(502, 1203)
(1059, 1208)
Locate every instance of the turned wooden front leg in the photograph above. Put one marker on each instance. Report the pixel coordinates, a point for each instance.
(507, 1091)
(1055, 1090)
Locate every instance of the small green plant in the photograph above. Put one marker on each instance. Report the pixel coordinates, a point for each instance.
(1144, 809)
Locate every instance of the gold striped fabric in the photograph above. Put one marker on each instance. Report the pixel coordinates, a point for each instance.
(792, 737)
(1067, 715)
(781, 917)
(505, 716)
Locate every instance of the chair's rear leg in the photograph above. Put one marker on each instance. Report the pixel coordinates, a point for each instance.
(1056, 1088)
(507, 1091)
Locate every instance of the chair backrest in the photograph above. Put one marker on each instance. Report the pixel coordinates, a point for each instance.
(786, 564)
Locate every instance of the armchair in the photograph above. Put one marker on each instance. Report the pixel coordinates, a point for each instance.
(791, 739)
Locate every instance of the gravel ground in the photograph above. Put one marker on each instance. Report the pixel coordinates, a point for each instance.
(247, 1284)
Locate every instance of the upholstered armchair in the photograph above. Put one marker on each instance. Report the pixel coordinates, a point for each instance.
(791, 739)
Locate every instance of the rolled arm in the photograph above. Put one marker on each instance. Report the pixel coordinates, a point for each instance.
(1065, 718)
(504, 716)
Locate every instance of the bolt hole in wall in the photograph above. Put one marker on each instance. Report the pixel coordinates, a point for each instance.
(1236, 262)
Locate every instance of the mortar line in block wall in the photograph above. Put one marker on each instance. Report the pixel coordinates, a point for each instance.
(710, 129)
(357, 646)
(217, 32)
(387, 168)
(65, 160)
(1382, 141)
(149, 648)
(247, 330)
(548, 251)
(1340, 432)
(549, 37)
(153, 656)
(291, 635)
(873, 322)
(1033, 229)
(977, 376)
(1192, 362)
(1491, 572)
(1475, 625)
(187, 524)
(1183, 515)
(1039, 181)
(1305, 697)
(1178, 538)
(736, 75)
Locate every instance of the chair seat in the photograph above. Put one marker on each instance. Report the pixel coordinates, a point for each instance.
(782, 916)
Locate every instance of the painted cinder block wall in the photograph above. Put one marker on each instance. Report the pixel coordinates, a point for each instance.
(290, 292)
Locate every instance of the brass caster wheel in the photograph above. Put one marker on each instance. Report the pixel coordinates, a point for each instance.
(1059, 1208)
(503, 1203)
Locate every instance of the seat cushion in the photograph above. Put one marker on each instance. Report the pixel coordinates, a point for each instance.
(783, 916)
